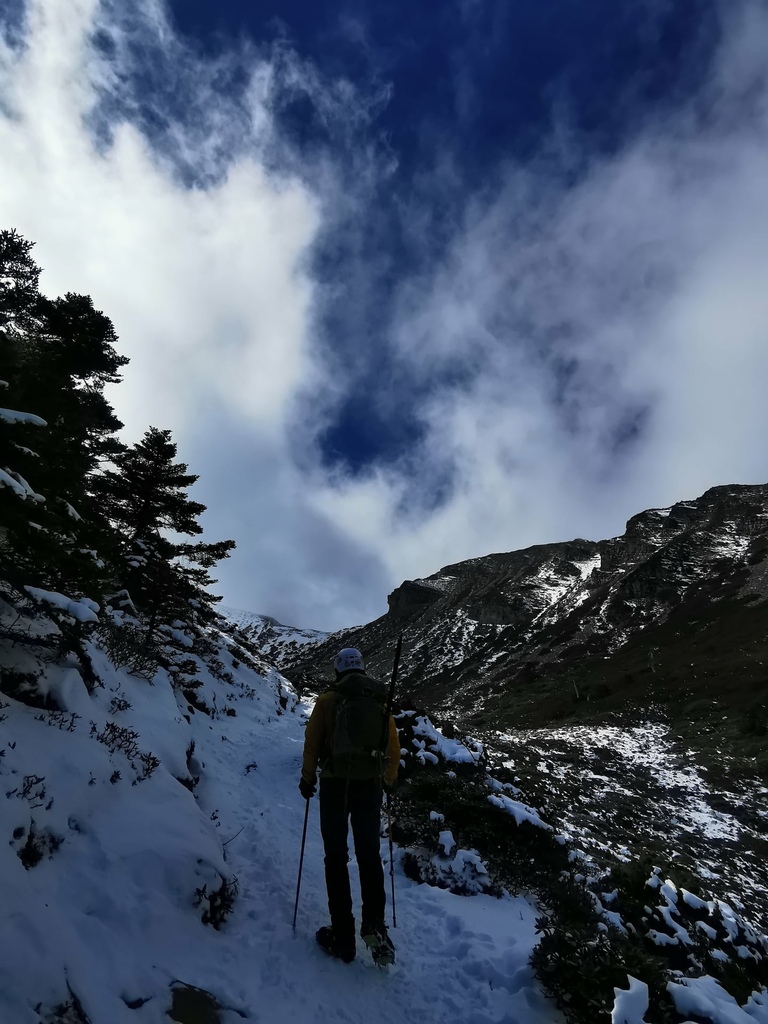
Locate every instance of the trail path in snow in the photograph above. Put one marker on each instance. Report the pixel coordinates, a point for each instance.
(108, 916)
(462, 958)
(107, 858)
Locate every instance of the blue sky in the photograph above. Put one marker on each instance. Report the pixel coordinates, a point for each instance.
(470, 83)
(409, 282)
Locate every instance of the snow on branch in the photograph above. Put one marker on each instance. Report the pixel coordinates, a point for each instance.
(26, 451)
(83, 610)
(19, 486)
(630, 1005)
(519, 811)
(450, 749)
(12, 416)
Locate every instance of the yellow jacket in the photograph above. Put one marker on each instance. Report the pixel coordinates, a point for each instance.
(317, 742)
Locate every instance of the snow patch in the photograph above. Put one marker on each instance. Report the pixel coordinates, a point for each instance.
(84, 610)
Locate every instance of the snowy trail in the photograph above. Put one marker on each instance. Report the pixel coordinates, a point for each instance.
(108, 913)
(106, 922)
(458, 957)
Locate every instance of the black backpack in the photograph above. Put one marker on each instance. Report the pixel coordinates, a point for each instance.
(359, 727)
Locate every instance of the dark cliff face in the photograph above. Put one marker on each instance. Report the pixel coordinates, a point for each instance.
(411, 598)
(509, 631)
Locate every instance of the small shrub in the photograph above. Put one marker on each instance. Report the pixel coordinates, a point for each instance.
(38, 845)
(580, 966)
(196, 703)
(520, 858)
(189, 783)
(32, 790)
(219, 903)
(148, 764)
(119, 703)
(118, 738)
(126, 646)
(580, 959)
(60, 720)
(71, 1012)
(23, 687)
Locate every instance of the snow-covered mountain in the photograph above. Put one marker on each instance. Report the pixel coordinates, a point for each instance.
(277, 642)
(498, 639)
(624, 679)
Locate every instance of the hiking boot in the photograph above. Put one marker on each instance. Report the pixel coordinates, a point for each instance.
(381, 946)
(328, 942)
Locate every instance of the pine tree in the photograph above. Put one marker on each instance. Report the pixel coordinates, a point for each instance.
(29, 551)
(24, 541)
(66, 365)
(80, 513)
(145, 491)
(58, 356)
(144, 495)
(19, 277)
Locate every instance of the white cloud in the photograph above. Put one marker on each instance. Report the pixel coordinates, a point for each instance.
(558, 318)
(611, 338)
(208, 286)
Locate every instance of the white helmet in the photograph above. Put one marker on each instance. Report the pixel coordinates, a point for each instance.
(348, 659)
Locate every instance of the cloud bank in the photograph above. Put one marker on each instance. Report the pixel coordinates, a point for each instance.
(192, 229)
(576, 348)
(599, 347)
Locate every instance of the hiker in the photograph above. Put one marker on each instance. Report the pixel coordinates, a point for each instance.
(345, 736)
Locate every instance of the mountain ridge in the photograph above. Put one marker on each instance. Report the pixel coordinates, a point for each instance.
(559, 657)
(530, 637)
(274, 639)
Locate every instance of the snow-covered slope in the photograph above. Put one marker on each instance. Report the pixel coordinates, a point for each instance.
(630, 787)
(275, 641)
(479, 629)
(152, 835)
(129, 817)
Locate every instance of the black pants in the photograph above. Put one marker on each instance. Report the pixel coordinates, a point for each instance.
(360, 802)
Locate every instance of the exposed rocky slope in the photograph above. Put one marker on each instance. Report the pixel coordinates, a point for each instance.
(530, 636)
(274, 641)
(554, 653)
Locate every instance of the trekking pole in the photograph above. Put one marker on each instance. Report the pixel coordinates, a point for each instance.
(384, 745)
(395, 667)
(391, 698)
(391, 859)
(301, 864)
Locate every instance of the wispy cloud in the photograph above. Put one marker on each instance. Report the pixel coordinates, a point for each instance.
(191, 221)
(573, 348)
(207, 285)
(592, 348)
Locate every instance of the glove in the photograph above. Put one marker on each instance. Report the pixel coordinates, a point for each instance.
(307, 789)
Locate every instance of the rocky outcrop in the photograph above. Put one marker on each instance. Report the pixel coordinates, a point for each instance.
(478, 628)
(411, 597)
